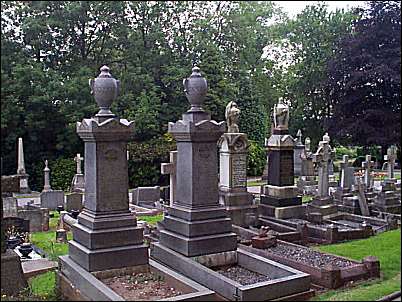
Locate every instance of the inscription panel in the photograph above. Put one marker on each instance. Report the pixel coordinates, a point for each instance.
(286, 168)
(239, 170)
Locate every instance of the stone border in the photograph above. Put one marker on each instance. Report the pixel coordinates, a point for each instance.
(329, 276)
(288, 282)
(75, 281)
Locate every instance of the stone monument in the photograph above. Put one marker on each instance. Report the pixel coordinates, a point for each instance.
(78, 182)
(390, 157)
(170, 169)
(280, 190)
(298, 150)
(12, 276)
(307, 183)
(368, 165)
(24, 188)
(106, 235)
(196, 223)
(322, 203)
(346, 180)
(233, 152)
(49, 198)
(332, 182)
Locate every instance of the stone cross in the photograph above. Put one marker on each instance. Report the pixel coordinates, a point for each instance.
(362, 197)
(307, 144)
(344, 165)
(391, 157)
(46, 186)
(78, 160)
(299, 137)
(367, 165)
(170, 168)
(21, 163)
(322, 158)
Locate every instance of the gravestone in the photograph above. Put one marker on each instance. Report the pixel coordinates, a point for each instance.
(170, 169)
(146, 196)
(280, 191)
(233, 170)
(346, 180)
(298, 151)
(78, 182)
(12, 276)
(196, 223)
(106, 235)
(306, 182)
(74, 201)
(332, 182)
(23, 176)
(10, 207)
(362, 198)
(390, 157)
(38, 217)
(49, 198)
(367, 165)
(322, 203)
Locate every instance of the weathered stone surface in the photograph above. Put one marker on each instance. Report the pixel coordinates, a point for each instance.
(74, 202)
(10, 183)
(10, 208)
(52, 199)
(146, 196)
(12, 277)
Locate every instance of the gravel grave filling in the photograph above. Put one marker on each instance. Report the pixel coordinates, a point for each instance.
(141, 287)
(308, 256)
(241, 275)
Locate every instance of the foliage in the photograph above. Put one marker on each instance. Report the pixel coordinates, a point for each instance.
(340, 151)
(46, 241)
(146, 158)
(152, 220)
(302, 48)
(364, 79)
(256, 159)
(62, 172)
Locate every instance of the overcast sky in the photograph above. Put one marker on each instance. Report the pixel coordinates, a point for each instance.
(294, 7)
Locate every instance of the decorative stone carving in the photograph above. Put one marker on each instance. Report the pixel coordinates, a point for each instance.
(195, 88)
(232, 114)
(46, 171)
(281, 115)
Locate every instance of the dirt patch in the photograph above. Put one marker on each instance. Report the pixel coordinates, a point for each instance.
(141, 287)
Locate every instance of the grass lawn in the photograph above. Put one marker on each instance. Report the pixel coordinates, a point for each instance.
(387, 247)
(255, 183)
(152, 220)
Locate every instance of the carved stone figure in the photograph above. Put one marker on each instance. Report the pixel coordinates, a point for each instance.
(232, 114)
(281, 115)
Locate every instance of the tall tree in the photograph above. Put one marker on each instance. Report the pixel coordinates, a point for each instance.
(364, 79)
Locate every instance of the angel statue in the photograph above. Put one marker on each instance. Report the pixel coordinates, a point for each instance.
(281, 115)
(232, 114)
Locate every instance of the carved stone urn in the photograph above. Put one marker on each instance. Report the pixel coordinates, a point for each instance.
(105, 89)
(195, 88)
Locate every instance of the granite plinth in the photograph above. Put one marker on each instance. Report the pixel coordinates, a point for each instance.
(280, 202)
(242, 215)
(280, 167)
(78, 183)
(74, 201)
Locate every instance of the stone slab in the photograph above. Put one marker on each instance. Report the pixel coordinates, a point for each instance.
(74, 201)
(52, 199)
(12, 277)
(280, 202)
(37, 267)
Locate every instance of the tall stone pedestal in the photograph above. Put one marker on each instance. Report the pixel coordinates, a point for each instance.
(233, 178)
(280, 191)
(12, 276)
(106, 235)
(196, 223)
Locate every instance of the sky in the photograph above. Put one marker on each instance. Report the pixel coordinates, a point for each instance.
(294, 7)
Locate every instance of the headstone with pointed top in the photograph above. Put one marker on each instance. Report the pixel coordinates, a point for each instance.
(306, 182)
(49, 198)
(24, 188)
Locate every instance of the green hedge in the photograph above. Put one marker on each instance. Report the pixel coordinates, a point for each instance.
(256, 159)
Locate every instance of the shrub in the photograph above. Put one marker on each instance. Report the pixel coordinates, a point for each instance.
(62, 171)
(256, 159)
(342, 150)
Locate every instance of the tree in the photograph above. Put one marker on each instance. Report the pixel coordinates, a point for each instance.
(364, 79)
(303, 45)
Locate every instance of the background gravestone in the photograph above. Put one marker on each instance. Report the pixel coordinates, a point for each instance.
(74, 201)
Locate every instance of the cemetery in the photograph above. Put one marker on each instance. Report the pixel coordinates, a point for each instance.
(191, 151)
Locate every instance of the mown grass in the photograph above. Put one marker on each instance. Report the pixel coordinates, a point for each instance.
(152, 220)
(256, 183)
(387, 247)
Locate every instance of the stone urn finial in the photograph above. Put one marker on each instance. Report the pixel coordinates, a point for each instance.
(46, 166)
(326, 137)
(105, 89)
(195, 88)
